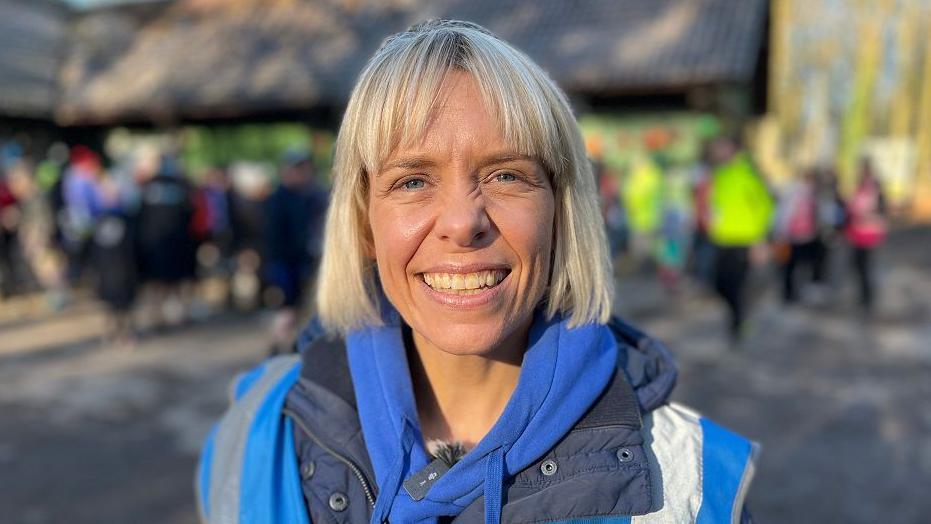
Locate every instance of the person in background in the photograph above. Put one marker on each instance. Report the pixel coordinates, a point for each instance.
(674, 231)
(797, 225)
(289, 212)
(249, 188)
(48, 257)
(113, 255)
(9, 226)
(611, 209)
(80, 208)
(216, 196)
(832, 218)
(866, 229)
(11, 219)
(51, 175)
(37, 264)
(642, 190)
(213, 225)
(702, 252)
(166, 244)
(741, 212)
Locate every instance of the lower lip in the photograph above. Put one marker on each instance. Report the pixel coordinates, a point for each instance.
(457, 301)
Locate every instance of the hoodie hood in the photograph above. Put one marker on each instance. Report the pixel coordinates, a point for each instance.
(563, 373)
(648, 364)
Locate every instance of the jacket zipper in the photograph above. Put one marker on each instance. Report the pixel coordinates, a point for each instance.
(350, 464)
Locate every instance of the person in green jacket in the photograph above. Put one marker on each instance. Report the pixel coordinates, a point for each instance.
(741, 212)
(642, 195)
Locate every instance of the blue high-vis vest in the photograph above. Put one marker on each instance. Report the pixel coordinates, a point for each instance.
(290, 450)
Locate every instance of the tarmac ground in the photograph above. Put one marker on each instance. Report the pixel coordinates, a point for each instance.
(837, 399)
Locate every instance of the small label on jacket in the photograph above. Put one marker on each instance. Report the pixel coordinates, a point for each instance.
(419, 484)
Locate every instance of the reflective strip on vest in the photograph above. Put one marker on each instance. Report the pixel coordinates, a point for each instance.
(220, 473)
(238, 387)
(700, 470)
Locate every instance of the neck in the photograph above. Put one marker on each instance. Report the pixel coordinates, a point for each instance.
(460, 397)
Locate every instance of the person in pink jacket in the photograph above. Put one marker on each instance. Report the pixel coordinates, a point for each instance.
(866, 228)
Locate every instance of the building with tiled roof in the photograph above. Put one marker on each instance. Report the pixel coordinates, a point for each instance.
(188, 60)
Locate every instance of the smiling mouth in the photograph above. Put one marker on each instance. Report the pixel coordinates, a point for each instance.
(465, 283)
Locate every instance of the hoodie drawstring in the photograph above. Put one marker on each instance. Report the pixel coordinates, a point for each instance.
(494, 478)
(389, 490)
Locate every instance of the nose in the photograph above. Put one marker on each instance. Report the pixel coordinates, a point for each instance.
(463, 220)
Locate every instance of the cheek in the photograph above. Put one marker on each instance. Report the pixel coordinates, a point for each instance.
(397, 234)
(532, 237)
(529, 228)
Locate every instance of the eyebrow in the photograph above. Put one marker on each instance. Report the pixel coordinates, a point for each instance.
(420, 162)
(408, 163)
(504, 158)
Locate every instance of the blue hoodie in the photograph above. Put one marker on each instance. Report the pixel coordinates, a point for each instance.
(563, 374)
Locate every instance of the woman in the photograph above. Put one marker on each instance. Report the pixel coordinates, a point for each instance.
(866, 229)
(472, 370)
(797, 225)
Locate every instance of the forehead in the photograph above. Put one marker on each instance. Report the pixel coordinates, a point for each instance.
(460, 120)
(460, 97)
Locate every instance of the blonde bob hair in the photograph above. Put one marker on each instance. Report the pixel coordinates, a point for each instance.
(391, 105)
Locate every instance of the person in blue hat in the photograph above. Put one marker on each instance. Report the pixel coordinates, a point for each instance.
(464, 365)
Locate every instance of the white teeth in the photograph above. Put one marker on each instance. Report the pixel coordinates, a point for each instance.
(464, 282)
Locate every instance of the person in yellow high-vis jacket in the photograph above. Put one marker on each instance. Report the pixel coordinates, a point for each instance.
(642, 193)
(741, 212)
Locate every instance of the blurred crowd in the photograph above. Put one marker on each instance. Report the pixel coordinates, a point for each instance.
(159, 246)
(717, 220)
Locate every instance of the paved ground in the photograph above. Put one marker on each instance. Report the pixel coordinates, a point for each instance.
(95, 434)
(838, 401)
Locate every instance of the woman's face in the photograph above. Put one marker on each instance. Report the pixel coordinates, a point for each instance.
(463, 229)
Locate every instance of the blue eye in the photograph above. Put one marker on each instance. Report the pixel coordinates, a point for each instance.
(506, 177)
(413, 184)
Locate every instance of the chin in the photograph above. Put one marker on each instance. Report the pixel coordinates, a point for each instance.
(467, 339)
(466, 347)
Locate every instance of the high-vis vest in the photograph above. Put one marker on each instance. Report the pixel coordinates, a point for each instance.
(290, 450)
(741, 206)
